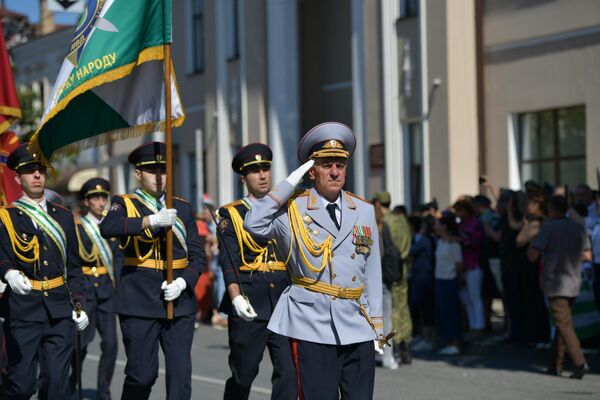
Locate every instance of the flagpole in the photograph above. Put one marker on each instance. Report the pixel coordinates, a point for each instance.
(169, 188)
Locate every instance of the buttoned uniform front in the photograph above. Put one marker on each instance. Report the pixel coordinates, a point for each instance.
(308, 315)
(263, 287)
(140, 302)
(39, 326)
(102, 282)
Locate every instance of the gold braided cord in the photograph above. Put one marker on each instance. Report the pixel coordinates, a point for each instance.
(244, 238)
(87, 258)
(300, 233)
(20, 247)
(132, 212)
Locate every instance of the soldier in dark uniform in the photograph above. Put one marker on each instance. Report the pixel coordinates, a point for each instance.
(140, 221)
(255, 276)
(100, 266)
(40, 262)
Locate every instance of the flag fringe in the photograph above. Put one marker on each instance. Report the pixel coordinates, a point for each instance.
(7, 124)
(154, 53)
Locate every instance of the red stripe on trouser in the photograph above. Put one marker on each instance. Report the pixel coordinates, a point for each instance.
(294, 346)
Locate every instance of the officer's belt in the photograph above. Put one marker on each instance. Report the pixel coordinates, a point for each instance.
(154, 264)
(96, 271)
(326, 288)
(47, 284)
(270, 266)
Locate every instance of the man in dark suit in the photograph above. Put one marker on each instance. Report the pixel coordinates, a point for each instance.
(140, 221)
(255, 276)
(100, 258)
(40, 262)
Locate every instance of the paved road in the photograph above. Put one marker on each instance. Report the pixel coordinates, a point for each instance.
(492, 372)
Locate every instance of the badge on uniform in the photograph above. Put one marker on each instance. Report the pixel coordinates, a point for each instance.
(362, 239)
(115, 207)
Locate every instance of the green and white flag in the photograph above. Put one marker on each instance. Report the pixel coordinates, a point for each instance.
(111, 84)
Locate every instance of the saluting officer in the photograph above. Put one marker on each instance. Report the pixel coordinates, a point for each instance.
(100, 267)
(40, 262)
(333, 310)
(255, 276)
(139, 220)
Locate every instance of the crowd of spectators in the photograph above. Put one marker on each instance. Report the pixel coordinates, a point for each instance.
(502, 266)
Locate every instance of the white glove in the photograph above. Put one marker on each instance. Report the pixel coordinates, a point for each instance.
(18, 282)
(243, 308)
(378, 347)
(82, 322)
(296, 176)
(173, 290)
(3, 287)
(164, 218)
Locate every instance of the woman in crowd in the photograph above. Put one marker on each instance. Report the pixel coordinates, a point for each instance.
(448, 271)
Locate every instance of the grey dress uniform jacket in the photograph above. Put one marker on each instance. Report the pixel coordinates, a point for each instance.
(312, 316)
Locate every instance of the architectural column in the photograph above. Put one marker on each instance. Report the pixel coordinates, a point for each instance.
(394, 160)
(224, 172)
(360, 159)
(424, 99)
(283, 92)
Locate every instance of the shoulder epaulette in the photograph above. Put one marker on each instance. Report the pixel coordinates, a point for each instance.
(180, 199)
(300, 193)
(233, 203)
(59, 206)
(358, 197)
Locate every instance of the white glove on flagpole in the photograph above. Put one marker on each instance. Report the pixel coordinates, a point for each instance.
(82, 321)
(164, 218)
(296, 176)
(18, 282)
(243, 308)
(378, 347)
(174, 289)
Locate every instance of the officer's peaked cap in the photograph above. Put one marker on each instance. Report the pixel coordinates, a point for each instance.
(327, 140)
(21, 157)
(252, 156)
(149, 154)
(94, 187)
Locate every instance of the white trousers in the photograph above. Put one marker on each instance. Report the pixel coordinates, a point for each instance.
(470, 296)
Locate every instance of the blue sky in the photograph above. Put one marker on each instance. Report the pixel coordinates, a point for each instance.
(32, 9)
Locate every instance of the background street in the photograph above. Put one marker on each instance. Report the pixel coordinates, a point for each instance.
(485, 372)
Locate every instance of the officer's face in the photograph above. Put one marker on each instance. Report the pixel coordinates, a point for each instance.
(96, 205)
(32, 181)
(329, 176)
(147, 179)
(258, 181)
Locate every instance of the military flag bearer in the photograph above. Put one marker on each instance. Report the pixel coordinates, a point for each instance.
(39, 260)
(255, 275)
(100, 267)
(140, 220)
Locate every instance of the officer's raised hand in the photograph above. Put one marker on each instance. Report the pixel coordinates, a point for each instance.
(296, 176)
(18, 282)
(243, 308)
(174, 289)
(81, 321)
(164, 218)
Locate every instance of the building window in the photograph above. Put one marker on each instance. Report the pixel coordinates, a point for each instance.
(197, 36)
(552, 146)
(415, 159)
(409, 8)
(232, 24)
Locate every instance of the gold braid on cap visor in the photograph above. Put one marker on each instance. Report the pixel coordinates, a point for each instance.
(330, 153)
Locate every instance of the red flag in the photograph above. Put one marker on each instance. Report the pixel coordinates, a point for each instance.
(10, 110)
(10, 190)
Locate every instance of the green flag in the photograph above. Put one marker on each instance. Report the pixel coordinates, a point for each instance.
(111, 84)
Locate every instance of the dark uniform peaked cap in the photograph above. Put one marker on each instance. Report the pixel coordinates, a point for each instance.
(149, 154)
(326, 140)
(252, 155)
(95, 186)
(21, 157)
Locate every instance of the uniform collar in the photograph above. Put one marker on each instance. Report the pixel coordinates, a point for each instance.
(93, 218)
(43, 204)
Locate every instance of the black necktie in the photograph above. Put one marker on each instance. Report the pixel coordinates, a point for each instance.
(331, 209)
